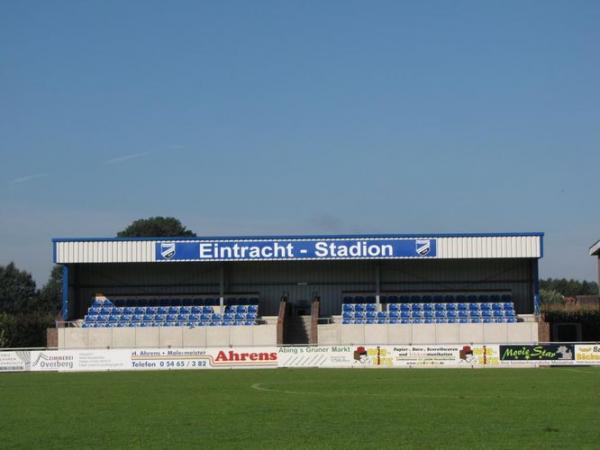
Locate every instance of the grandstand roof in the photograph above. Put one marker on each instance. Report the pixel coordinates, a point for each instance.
(595, 249)
(299, 247)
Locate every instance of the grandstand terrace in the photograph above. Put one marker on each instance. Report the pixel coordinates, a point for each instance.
(268, 290)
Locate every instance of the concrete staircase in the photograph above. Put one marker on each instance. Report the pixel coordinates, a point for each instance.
(297, 329)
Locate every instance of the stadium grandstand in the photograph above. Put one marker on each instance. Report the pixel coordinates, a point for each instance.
(272, 290)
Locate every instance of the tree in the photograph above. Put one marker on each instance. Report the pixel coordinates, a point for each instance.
(50, 296)
(156, 227)
(25, 312)
(17, 289)
(569, 288)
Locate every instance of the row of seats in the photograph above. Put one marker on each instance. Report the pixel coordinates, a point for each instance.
(346, 307)
(175, 323)
(429, 314)
(103, 314)
(428, 320)
(115, 310)
(169, 317)
(448, 298)
(172, 301)
(406, 313)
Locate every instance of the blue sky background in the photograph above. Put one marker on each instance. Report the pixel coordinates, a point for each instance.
(300, 117)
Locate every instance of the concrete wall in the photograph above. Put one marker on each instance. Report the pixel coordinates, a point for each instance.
(176, 337)
(501, 333)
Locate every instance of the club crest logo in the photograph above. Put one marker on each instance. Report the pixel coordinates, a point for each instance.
(167, 250)
(423, 247)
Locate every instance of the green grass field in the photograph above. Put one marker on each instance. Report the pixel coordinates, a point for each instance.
(304, 408)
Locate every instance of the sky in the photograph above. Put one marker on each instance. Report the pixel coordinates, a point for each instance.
(300, 117)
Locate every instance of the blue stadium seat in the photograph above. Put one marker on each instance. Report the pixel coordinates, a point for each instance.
(359, 307)
(371, 307)
(439, 307)
(371, 320)
(417, 307)
(347, 307)
(371, 314)
(462, 306)
(393, 307)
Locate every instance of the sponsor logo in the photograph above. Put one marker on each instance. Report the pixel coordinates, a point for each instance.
(536, 352)
(167, 249)
(232, 357)
(50, 361)
(587, 353)
(423, 246)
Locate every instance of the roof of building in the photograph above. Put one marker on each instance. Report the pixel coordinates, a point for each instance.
(307, 236)
(299, 247)
(595, 249)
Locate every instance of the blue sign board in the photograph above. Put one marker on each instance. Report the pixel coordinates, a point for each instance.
(266, 250)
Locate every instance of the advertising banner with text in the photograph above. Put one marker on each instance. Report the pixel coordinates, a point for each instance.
(334, 356)
(543, 354)
(14, 361)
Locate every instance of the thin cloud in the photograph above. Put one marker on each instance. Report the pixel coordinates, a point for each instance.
(27, 178)
(121, 159)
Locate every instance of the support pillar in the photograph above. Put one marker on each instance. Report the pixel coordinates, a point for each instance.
(65, 292)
